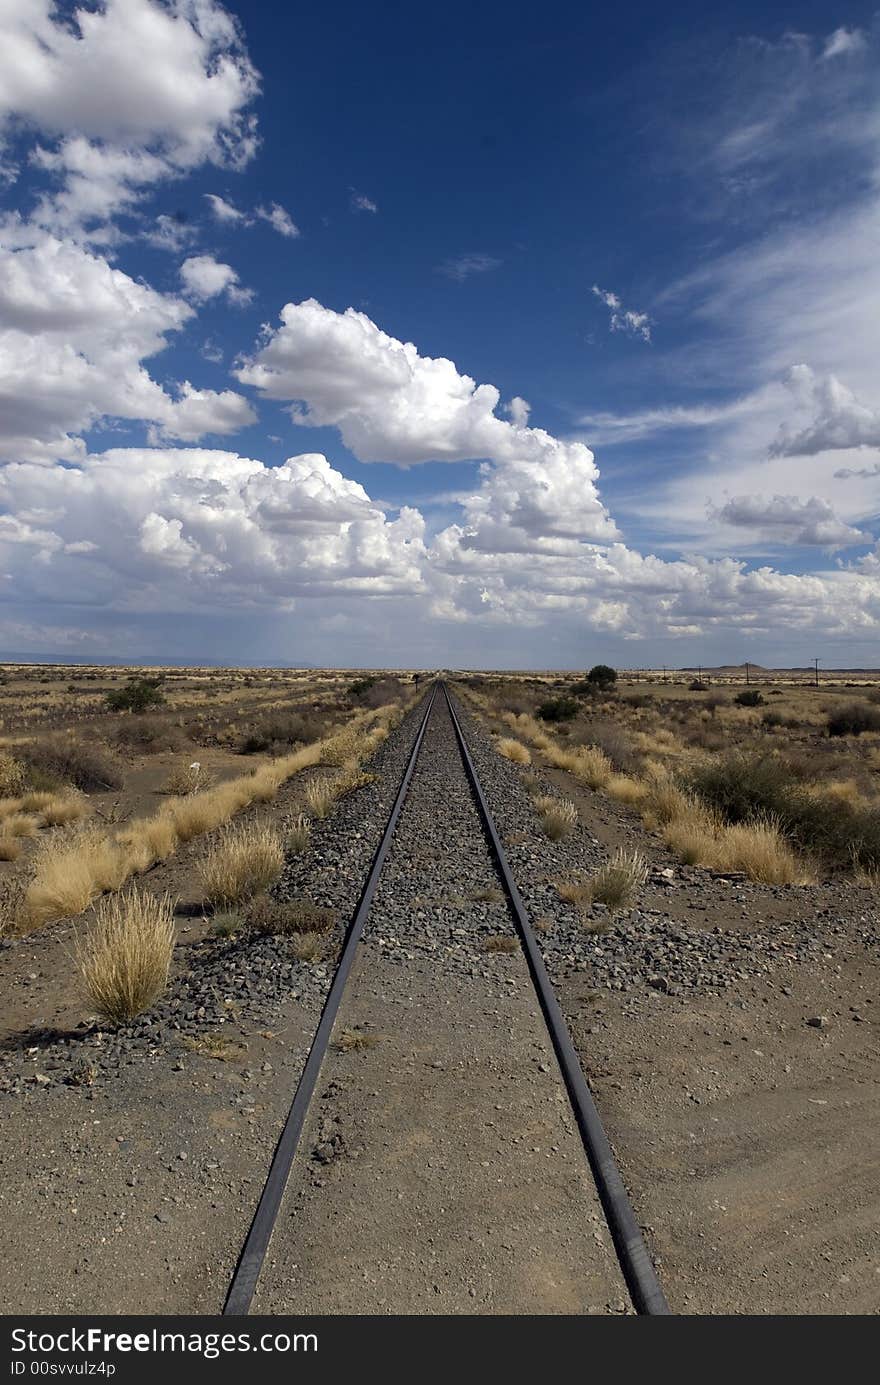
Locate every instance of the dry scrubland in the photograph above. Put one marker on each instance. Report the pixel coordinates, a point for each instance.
(108, 773)
(776, 779)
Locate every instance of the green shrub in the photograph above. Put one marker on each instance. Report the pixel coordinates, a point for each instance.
(602, 676)
(742, 786)
(698, 686)
(853, 719)
(558, 709)
(361, 686)
(749, 697)
(747, 788)
(138, 695)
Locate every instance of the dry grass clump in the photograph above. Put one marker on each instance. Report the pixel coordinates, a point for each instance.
(352, 1040)
(513, 750)
(299, 835)
(558, 816)
(246, 860)
(500, 942)
(760, 850)
(320, 796)
(577, 891)
(286, 917)
(188, 778)
(627, 789)
(125, 957)
(307, 947)
(617, 882)
(20, 825)
(489, 895)
(10, 848)
(63, 809)
(70, 874)
(591, 765)
(152, 838)
(218, 1046)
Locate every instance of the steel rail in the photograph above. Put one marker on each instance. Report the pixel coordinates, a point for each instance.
(632, 1253)
(247, 1271)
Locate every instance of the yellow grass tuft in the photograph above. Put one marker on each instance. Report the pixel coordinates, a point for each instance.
(513, 750)
(619, 880)
(125, 957)
(246, 860)
(626, 789)
(20, 825)
(63, 809)
(299, 835)
(577, 891)
(761, 851)
(320, 796)
(558, 816)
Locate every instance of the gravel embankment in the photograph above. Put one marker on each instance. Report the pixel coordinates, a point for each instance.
(246, 978)
(640, 948)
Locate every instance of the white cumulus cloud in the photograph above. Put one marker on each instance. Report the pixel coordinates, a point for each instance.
(204, 278)
(127, 92)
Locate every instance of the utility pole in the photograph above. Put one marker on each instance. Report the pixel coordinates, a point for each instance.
(816, 666)
(747, 673)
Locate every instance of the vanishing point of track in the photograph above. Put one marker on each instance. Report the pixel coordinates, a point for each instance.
(632, 1254)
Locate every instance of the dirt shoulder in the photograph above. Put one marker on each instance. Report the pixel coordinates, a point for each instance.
(730, 1033)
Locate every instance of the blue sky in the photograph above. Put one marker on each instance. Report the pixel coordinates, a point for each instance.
(653, 230)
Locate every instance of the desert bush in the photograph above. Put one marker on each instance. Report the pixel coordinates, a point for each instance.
(125, 956)
(246, 860)
(771, 720)
(749, 697)
(138, 695)
(188, 778)
(278, 729)
(751, 789)
(614, 743)
(558, 709)
(10, 848)
(853, 719)
(617, 882)
(12, 775)
(740, 786)
(697, 685)
(513, 750)
(360, 686)
(148, 735)
(602, 676)
(89, 767)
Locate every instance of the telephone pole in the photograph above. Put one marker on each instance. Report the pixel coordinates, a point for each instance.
(816, 667)
(747, 673)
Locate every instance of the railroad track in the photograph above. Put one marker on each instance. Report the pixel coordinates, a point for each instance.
(631, 1252)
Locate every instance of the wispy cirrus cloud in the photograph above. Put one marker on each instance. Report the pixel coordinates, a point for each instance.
(464, 266)
(628, 320)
